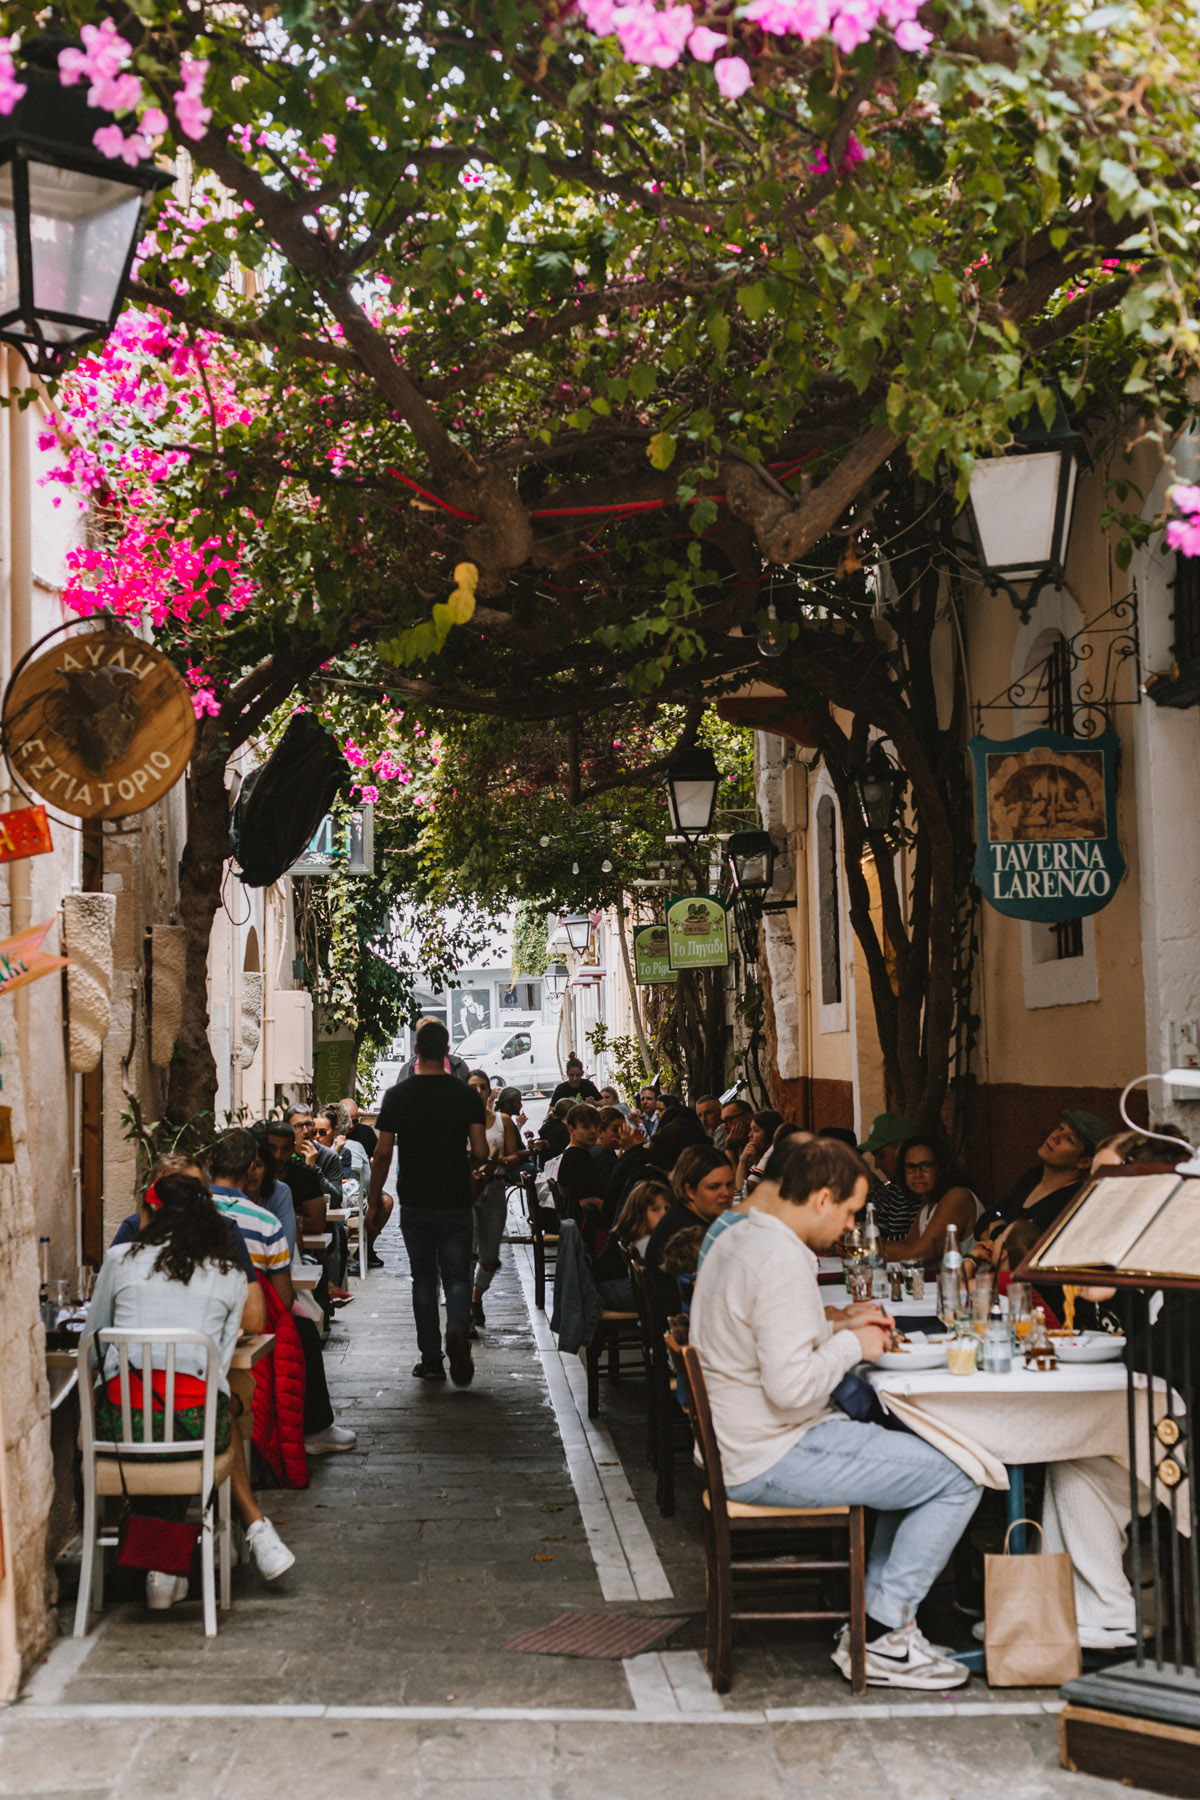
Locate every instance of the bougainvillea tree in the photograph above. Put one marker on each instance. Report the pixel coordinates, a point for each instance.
(535, 354)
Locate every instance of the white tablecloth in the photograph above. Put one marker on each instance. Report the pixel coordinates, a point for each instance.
(986, 1422)
(898, 1309)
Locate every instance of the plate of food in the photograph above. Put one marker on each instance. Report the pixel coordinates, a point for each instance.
(915, 1350)
(1088, 1347)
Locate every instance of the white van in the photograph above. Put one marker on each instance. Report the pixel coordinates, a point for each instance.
(521, 1054)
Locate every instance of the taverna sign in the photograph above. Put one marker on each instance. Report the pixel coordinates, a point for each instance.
(1045, 824)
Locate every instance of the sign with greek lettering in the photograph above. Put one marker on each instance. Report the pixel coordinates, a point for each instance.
(99, 725)
(1046, 824)
(697, 932)
(651, 962)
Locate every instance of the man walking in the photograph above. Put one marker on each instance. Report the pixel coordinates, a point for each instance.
(429, 1120)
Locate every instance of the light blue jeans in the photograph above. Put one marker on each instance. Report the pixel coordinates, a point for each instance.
(924, 1502)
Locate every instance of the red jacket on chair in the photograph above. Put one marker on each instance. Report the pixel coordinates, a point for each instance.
(279, 1397)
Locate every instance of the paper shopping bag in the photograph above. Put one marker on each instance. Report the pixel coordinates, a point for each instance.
(1031, 1638)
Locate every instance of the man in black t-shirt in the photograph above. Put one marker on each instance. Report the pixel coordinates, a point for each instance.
(430, 1120)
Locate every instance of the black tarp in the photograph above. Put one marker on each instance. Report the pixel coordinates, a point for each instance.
(281, 804)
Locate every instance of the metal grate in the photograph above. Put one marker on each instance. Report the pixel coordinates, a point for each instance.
(609, 1636)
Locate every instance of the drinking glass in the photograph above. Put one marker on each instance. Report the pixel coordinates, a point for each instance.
(962, 1353)
(1020, 1311)
(85, 1281)
(981, 1301)
(858, 1281)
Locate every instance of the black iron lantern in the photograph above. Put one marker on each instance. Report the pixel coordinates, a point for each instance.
(877, 790)
(70, 218)
(579, 930)
(556, 979)
(1020, 507)
(691, 783)
(751, 857)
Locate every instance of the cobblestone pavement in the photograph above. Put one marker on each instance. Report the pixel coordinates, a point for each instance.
(460, 1519)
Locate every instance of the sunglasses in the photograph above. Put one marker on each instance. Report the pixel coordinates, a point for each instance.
(921, 1168)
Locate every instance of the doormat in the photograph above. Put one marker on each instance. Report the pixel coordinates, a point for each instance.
(607, 1635)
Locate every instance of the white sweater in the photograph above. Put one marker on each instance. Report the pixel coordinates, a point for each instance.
(771, 1358)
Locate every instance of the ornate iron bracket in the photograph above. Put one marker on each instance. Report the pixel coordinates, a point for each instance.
(1091, 697)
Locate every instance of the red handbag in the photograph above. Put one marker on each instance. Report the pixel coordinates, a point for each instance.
(167, 1545)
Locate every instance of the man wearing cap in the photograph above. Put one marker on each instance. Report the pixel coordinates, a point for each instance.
(895, 1207)
(1063, 1162)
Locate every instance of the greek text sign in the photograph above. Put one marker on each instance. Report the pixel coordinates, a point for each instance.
(697, 932)
(99, 724)
(651, 961)
(1046, 824)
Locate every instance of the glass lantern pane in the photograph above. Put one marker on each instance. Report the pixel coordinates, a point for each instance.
(754, 870)
(80, 228)
(10, 277)
(1014, 500)
(691, 803)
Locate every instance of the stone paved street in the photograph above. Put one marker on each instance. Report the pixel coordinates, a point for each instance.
(460, 1519)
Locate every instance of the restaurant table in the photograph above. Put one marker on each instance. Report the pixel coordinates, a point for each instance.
(918, 1315)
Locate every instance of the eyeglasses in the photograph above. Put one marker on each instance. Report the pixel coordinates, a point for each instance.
(921, 1168)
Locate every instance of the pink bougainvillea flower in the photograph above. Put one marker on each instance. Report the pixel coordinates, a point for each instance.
(369, 794)
(1184, 535)
(704, 43)
(599, 16)
(193, 116)
(1184, 498)
(733, 76)
(913, 37)
(657, 38)
(11, 90)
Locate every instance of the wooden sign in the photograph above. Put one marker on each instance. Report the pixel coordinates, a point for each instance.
(25, 832)
(100, 724)
(22, 959)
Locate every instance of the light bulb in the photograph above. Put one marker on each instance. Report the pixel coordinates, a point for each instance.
(606, 867)
(769, 644)
(574, 868)
(544, 842)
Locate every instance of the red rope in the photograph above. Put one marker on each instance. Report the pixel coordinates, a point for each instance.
(619, 509)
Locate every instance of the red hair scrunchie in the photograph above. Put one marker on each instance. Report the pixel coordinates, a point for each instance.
(152, 1199)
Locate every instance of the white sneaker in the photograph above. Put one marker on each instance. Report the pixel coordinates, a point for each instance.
(902, 1659)
(272, 1557)
(329, 1442)
(163, 1591)
(1106, 1637)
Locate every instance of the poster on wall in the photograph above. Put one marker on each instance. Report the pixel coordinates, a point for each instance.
(697, 932)
(1046, 824)
(651, 960)
(471, 1010)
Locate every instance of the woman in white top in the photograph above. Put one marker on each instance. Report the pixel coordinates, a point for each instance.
(505, 1151)
(181, 1273)
(923, 1168)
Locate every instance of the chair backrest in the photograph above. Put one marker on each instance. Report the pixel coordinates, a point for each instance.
(135, 1349)
(686, 1360)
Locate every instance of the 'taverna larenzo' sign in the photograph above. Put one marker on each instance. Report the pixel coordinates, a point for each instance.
(1046, 824)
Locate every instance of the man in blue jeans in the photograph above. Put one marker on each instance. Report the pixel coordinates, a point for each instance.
(772, 1361)
(430, 1120)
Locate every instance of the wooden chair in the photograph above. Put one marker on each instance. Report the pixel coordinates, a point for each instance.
(151, 1466)
(664, 1415)
(539, 1239)
(615, 1332)
(726, 1521)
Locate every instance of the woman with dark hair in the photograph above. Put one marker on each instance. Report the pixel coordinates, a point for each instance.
(181, 1273)
(269, 1190)
(702, 1182)
(750, 1164)
(924, 1170)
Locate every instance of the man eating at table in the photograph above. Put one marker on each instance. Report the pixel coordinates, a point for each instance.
(772, 1361)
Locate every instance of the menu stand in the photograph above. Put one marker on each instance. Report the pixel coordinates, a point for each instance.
(1141, 1719)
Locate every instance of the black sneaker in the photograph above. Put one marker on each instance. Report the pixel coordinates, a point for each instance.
(429, 1369)
(375, 1262)
(462, 1369)
(477, 1317)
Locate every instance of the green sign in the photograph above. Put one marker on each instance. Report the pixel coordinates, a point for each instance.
(697, 932)
(1046, 824)
(334, 1059)
(651, 963)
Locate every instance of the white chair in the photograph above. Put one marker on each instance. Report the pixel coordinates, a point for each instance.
(148, 1467)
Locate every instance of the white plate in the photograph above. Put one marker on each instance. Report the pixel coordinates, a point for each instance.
(1088, 1347)
(915, 1356)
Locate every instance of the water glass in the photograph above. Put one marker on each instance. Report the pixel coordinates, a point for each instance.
(85, 1281)
(981, 1301)
(1020, 1311)
(962, 1353)
(858, 1281)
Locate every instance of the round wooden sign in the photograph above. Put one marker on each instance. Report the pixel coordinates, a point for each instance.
(100, 725)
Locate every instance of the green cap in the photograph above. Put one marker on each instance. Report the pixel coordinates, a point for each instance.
(889, 1128)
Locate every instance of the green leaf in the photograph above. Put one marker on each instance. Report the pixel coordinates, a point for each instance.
(753, 301)
(717, 325)
(642, 380)
(661, 450)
